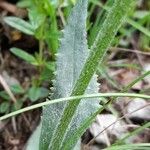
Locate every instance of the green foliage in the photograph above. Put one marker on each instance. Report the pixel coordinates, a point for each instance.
(36, 93)
(17, 105)
(33, 94)
(17, 89)
(20, 24)
(46, 68)
(7, 105)
(139, 18)
(139, 27)
(4, 107)
(41, 24)
(24, 55)
(77, 50)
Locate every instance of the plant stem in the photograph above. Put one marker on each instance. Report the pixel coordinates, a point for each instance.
(41, 46)
(73, 98)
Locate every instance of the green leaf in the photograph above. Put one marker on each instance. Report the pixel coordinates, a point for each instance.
(17, 89)
(139, 14)
(20, 24)
(25, 3)
(52, 33)
(36, 18)
(72, 55)
(67, 144)
(99, 20)
(113, 21)
(68, 116)
(16, 106)
(35, 93)
(54, 3)
(4, 95)
(33, 142)
(73, 45)
(4, 107)
(139, 27)
(143, 146)
(24, 55)
(47, 73)
(50, 65)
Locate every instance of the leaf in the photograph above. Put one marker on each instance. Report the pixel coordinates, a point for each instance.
(142, 146)
(140, 14)
(17, 89)
(47, 73)
(113, 21)
(25, 3)
(68, 143)
(99, 19)
(36, 18)
(16, 106)
(74, 45)
(52, 32)
(78, 145)
(20, 24)
(72, 55)
(24, 55)
(50, 65)
(139, 27)
(35, 93)
(33, 142)
(4, 107)
(4, 95)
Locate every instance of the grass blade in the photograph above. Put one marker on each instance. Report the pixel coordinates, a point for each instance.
(144, 146)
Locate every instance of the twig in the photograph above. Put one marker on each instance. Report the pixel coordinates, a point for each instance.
(62, 16)
(7, 89)
(14, 125)
(13, 9)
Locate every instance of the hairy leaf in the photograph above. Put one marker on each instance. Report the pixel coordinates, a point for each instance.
(72, 55)
(61, 122)
(113, 21)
